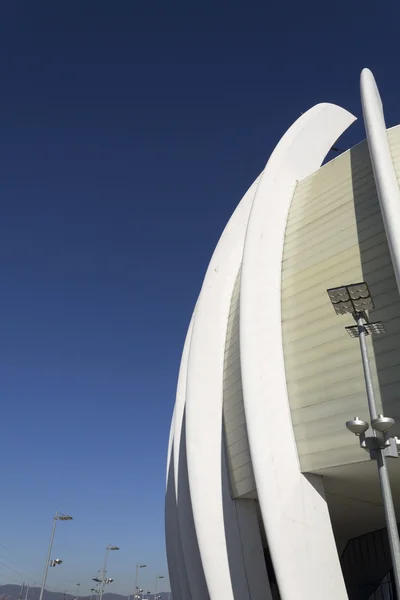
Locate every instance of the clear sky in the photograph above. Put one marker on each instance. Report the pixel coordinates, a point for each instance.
(129, 130)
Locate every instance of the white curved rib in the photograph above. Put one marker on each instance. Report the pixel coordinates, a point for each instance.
(190, 548)
(181, 400)
(295, 515)
(175, 553)
(204, 403)
(384, 172)
(171, 520)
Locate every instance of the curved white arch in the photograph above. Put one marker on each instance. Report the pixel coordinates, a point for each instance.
(295, 515)
(190, 551)
(171, 530)
(386, 182)
(204, 403)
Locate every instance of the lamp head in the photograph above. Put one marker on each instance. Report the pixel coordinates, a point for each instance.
(382, 424)
(357, 426)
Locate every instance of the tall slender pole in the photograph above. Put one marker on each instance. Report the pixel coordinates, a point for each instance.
(390, 515)
(21, 590)
(135, 593)
(46, 567)
(27, 592)
(103, 576)
(155, 587)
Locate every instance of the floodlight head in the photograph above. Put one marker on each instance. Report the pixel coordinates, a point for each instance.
(357, 426)
(376, 328)
(142, 566)
(353, 331)
(382, 424)
(353, 298)
(360, 296)
(112, 548)
(61, 517)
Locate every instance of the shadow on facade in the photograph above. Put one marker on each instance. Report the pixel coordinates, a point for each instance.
(378, 272)
(363, 567)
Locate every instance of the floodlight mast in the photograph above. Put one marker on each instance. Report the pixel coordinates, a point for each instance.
(356, 299)
(103, 582)
(57, 517)
(136, 593)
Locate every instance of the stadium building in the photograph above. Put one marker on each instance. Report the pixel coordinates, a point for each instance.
(269, 496)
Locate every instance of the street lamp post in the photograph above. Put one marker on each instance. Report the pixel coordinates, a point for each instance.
(103, 576)
(77, 591)
(57, 517)
(356, 299)
(136, 593)
(156, 585)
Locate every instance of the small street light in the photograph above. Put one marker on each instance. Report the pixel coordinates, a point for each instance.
(137, 591)
(103, 581)
(156, 586)
(78, 586)
(57, 517)
(355, 299)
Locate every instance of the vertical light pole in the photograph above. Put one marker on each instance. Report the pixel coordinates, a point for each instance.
(77, 591)
(103, 576)
(356, 299)
(136, 592)
(57, 517)
(156, 585)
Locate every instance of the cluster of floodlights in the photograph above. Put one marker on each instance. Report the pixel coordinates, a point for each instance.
(355, 299)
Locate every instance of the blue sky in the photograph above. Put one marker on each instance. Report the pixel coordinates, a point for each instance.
(128, 133)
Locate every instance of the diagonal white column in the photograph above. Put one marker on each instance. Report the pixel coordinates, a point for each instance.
(294, 512)
(386, 182)
(204, 398)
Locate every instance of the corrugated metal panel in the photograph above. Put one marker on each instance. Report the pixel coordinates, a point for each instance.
(238, 453)
(334, 236)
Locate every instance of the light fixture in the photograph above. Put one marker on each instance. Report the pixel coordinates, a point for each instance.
(376, 328)
(357, 426)
(138, 567)
(354, 298)
(382, 424)
(57, 517)
(55, 562)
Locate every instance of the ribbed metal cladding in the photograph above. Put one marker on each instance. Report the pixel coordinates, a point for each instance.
(238, 452)
(335, 236)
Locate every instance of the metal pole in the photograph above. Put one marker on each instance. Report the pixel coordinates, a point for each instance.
(27, 592)
(103, 577)
(366, 367)
(46, 568)
(155, 587)
(135, 593)
(390, 515)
